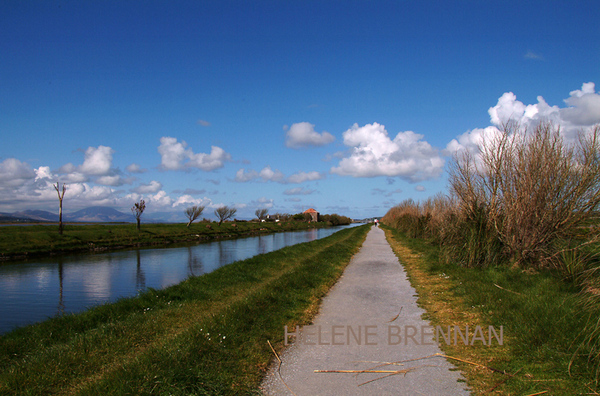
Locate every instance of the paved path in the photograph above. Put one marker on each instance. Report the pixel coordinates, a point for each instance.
(358, 316)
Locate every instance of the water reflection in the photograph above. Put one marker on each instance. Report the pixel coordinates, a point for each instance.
(195, 266)
(140, 278)
(33, 291)
(61, 302)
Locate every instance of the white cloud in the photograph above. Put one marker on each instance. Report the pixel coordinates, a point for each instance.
(242, 176)
(584, 106)
(14, 173)
(302, 177)
(583, 110)
(303, 134)
(110, 180)
(472, 140)
(174, 154)
(160, 199)
(135, 168)
(187, 200)
(152, 187)
(420, 188)
(74, 177)
(373, 153)
(208, 162)
(267, 174)
(43, 172)
(262, 202)
(97, 161)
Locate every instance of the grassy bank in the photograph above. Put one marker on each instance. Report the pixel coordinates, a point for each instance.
(18, 242)
(205, 336)
(543, 318)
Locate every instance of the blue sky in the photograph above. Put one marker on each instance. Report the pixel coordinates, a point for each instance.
(346, 106)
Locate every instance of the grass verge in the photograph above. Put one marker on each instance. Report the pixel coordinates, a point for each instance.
(17, 242)
(542, 318)
(205, 336)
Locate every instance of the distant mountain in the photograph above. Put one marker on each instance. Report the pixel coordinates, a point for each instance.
(98, 214)
(93, 214)
(9, 218)
(36, 215)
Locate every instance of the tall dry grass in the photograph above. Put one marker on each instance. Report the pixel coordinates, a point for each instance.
(537, 190)
(527, 196)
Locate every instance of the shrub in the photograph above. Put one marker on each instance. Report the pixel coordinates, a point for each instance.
(534, 189)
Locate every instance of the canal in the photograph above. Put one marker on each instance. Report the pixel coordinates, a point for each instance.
(35, 290)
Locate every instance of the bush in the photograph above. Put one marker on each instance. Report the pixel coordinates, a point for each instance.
(534, 188)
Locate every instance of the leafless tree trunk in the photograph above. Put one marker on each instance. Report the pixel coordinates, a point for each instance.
(60, 200)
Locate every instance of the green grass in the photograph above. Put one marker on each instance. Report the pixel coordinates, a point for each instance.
(542, 315)
(205, 336)
(35, 240)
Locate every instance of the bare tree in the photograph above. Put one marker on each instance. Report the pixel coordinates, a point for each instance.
(137, 210)
(60, 199)
(224, 212)
(261, 213)
(193, 212)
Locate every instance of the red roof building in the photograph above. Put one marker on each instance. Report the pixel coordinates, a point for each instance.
(313, 214)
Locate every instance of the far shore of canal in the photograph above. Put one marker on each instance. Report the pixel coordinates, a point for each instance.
(32, 241)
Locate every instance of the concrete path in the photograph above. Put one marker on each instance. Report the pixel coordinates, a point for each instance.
(358, 325)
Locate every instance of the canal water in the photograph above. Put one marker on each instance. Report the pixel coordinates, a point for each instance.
(35, 290)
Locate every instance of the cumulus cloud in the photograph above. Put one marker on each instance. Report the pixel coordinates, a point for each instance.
(14, 173)
(43, 172)
(374, 153)
(172, 153)
(262, 202)
(175, 156)
(584, 106)
(471, 141)
(110, 180)
(135, 168)
(150, 188)
(242, 176)
(583, 110)
(267, 174)
(303, 134)
(97, 161)
(208, 162)
(187, 200)
(302, 177)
